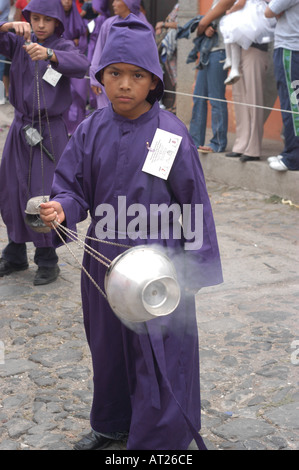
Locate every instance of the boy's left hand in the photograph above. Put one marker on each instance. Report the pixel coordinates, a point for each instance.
(36, 51)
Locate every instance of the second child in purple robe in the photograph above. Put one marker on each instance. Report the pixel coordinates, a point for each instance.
(51, 53)
(101, 7)
(146, 381)
(76, 31)
(122, 8)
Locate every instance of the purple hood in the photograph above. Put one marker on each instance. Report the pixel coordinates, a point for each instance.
(101, 6)
(51, 8)
(133, 5)
(120, 47)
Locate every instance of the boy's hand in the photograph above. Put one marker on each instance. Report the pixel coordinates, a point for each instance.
(21, 29)
(51, 212)
(36, 51)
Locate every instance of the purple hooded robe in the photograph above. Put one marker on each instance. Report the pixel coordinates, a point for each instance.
(147, 381)
(134, 7)
(15, 165)
(101, 6)
(75, 28)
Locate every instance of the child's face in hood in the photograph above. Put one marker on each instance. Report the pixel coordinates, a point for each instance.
(49, 8)
(127, 87)
(131, 41)
(43, 26)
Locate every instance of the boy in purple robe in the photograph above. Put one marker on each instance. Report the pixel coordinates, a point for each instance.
(23, 173)
(122, 8)
(103, 12)
(146, 382)
(101, 7)
(75, 30)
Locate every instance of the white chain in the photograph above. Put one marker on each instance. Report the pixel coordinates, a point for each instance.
(55, 227)
(73, 236)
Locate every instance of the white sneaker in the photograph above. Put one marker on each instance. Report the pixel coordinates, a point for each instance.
(274, 159)
(278, 166)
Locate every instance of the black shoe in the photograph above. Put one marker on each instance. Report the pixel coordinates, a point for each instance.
(246, 158)
(7, 268)
(92, 441)
(233, 154)
(46, 275)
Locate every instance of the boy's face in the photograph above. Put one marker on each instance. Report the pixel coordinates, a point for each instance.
(43, 26)
(127, 87)
(67, 5)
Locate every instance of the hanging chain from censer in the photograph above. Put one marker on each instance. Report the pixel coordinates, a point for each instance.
(73, 236)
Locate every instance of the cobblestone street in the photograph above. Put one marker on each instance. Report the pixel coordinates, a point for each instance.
(248, 330)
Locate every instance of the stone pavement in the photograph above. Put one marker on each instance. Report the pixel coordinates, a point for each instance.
(248, 330)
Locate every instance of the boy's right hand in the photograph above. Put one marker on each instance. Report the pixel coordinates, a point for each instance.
(51, 212)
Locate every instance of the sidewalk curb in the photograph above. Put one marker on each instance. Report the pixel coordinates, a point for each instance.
(255, 176)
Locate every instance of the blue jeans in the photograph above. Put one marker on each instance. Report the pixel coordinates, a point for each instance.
(210, 82)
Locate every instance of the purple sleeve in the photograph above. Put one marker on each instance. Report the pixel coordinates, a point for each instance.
(71, 62)
(8, 42)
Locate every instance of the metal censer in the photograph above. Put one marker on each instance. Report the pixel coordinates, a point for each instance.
(141, 284)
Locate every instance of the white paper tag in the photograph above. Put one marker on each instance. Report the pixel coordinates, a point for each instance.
(162, 153)
(52, 76)
(91, 25)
